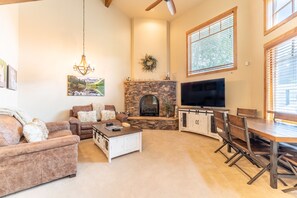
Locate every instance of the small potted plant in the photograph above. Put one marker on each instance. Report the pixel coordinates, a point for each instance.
(168, 107)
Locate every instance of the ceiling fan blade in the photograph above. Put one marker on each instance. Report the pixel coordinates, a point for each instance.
(153, 5)
(171, 6)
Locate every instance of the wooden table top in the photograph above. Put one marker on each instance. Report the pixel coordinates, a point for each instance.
(276, 132)
(110, 134)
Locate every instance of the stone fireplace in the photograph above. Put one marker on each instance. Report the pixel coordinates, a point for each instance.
(161, 90)
(144, 100)
(149, 105)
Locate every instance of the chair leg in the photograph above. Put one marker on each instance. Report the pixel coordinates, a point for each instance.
(225, 143)
(258, 175)
(237, 159)
(289, 189)
(231, 158)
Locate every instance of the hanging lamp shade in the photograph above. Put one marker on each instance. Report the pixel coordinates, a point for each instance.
(83, 68)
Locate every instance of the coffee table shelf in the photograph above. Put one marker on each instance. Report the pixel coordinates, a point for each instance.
(117, 143)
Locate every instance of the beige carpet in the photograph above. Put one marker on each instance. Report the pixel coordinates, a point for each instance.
(172, 164)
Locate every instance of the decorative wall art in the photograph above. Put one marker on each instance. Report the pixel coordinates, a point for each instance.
(3, 68)
(85, 86)
(11, 78)
(149, 63)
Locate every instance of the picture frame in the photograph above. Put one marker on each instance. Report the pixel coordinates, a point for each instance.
(3, 73)
(85, 86)
(11, 78)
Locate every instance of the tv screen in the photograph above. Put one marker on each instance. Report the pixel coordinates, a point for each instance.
(209, 93)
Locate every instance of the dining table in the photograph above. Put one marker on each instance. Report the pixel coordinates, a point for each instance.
(275, 132)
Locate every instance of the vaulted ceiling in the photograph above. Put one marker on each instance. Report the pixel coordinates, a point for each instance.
(136, 8)
(14, 1)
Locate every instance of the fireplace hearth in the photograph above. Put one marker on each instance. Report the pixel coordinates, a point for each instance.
(149, 106)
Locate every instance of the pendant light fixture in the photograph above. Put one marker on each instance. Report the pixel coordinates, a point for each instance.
(83, 68)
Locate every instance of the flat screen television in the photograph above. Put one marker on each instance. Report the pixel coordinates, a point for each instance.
(208, 93)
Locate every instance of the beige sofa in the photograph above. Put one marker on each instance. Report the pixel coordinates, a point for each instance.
(24, 165)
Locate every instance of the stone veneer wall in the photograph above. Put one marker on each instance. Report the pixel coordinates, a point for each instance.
(135, 90)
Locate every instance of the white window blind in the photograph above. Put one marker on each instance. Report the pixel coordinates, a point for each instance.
(211, 47)
(281, 77)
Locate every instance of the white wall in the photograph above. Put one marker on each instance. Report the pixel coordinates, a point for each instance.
(238, 82)
(51, 42)
(150, 36)
(9, 39)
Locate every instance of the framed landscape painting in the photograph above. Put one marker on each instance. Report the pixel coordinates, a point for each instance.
(11, 78)
(3, 68)
(85, 86)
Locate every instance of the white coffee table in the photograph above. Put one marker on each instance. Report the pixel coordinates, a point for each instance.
(117, 143)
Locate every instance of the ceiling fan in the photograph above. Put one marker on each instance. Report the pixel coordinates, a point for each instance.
(170, 5)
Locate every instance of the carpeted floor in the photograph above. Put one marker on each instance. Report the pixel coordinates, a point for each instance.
(172, 164)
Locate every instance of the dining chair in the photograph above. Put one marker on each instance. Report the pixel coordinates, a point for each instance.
(250, 148)
(291, 162)
(221, 128)
(248, 113)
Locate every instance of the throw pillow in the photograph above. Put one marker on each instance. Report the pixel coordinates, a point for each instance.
(98, 107)
(33, 132)
(87, 116)
(107, 115)
(42, 125)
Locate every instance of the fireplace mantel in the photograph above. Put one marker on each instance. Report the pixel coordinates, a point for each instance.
(135, 90)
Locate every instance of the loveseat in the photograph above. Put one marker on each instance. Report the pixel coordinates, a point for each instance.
(85, 129)
(24, 165)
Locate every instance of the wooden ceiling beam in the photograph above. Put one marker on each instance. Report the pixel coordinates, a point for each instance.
(107, 3)
(2, 2)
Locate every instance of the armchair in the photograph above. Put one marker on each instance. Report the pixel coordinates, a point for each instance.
(84, 129)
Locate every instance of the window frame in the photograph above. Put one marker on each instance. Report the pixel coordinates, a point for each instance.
(282, 38)
(274, 27)
(205, 24)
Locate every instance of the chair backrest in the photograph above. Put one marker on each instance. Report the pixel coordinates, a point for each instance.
(248, 113)
(238, 128)
(284, 117)
(220, 122)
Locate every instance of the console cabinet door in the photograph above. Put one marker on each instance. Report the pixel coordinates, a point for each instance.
(184, 121)
(199, 123)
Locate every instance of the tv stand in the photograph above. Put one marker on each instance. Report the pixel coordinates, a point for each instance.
(198, 120)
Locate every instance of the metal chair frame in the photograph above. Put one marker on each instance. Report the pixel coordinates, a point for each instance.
(249, 154)
(220, 121)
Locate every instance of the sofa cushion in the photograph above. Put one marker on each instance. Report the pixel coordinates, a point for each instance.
(98, 107)
(87, 125)
(76, 109)
(87, 116)
(10, 130)
(57, 134)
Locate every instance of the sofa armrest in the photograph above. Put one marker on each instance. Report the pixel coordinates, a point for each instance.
(28, 148)
(73, 120)
(122, 117)
(74, 125)
(57, 126)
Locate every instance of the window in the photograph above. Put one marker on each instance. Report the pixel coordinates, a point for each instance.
(281, 73)
(278, 12)
(211, 46)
